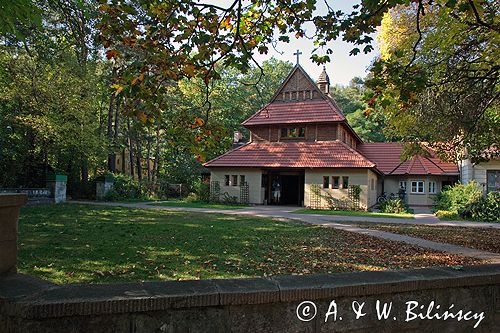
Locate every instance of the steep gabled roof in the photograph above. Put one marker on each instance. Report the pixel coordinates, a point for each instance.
(386, 156)
(321, 108)
(311, 111)
(324, 154)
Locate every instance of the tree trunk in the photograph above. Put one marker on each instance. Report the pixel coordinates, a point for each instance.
(157, 152)
(149, 155)
(117, 120)
(130, 148)
(138, 158)
(111, 155)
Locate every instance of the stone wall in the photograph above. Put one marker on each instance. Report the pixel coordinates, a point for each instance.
(261, 304)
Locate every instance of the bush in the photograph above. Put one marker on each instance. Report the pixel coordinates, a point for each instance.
(487, 208)
(458, 198)
(202, 190)
(192, 197)
(394, 206)
(468, 202)
(125, 187)
(446, 214)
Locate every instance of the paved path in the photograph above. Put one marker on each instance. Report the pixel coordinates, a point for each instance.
(286, 213)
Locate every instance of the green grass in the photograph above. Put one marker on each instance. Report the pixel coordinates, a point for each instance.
(353, 213)
(72, 243)
(185, 204)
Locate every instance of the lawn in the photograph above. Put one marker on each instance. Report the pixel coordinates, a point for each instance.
(352, 213)
(185, 204)
(72, 243)
(486, 239)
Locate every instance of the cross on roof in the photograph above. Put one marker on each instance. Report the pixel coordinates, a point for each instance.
(298, 53)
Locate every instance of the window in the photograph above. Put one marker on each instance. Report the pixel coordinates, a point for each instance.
(402, 184)
(226, 180)
(235, 180)
(372, 184)
(242, 180)
(345, 182)
(493, 179)
(417, 186)
(326, 182)
(432, 187)
(293, 132)
(335, 182)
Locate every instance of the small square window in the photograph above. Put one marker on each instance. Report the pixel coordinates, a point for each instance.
(326, 182)
(335, 182)
(235, 180)
(402, 184)
(226, 180)
(417, 186)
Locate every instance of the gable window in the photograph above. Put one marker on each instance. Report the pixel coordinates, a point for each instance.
(493, 179)
(345, 182)
(432, 187)
(242, 180)
(326, 182)
(293, 132)
(335, 182)
(235, 180)
(417, 186)
(226, 180)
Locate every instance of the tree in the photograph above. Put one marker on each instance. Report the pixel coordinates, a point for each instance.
(439, 84)
(368, 125)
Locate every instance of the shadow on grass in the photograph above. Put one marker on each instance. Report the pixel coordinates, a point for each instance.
(81, 243)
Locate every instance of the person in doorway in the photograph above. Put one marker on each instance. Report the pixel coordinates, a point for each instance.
(276, 191)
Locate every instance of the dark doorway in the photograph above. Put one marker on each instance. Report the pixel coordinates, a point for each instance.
(285, 187)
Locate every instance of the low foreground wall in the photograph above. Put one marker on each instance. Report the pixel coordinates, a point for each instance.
(468, 297)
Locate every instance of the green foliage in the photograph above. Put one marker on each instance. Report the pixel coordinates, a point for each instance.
(396, 206)
(446, 215)
(368, 125)
(458, 197)
(440, 84)
(125, 187)
(467, 201)
(487, 208)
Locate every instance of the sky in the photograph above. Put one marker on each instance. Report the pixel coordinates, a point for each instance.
(341, 68)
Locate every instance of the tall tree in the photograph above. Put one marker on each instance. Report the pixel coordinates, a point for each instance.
(439, 83)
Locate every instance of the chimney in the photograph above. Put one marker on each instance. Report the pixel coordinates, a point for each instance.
(324, 82)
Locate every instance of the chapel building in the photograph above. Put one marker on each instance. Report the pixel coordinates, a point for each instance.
(302, 139)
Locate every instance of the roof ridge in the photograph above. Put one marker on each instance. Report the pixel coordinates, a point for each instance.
(227, 152)
(355, 151)
(437, 166)
(412, 163)
(419, 158)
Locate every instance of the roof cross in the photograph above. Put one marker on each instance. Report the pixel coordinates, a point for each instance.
(298, 53)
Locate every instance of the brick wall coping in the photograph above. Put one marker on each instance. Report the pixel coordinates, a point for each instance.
(28, 297)
(12, 199)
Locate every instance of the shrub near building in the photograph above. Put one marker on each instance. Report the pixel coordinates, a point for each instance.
(467, 202)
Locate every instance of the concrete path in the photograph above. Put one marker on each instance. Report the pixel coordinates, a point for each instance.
(286, 213)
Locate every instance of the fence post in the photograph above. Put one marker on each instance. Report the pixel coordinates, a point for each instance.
(103, 185)
(10, 205)
(57, 186)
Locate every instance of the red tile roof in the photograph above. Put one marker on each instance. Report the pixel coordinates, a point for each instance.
(387, 158)
(324, 154)
(310, 111)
